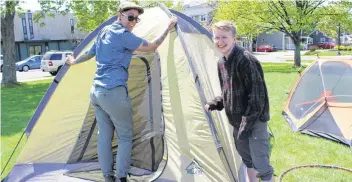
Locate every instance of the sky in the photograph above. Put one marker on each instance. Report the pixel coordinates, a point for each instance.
(34, 5)
(30, 4)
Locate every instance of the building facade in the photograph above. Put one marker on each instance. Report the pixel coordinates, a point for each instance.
(281, 41)
(58, 33)
(320, 37)
(201, 12)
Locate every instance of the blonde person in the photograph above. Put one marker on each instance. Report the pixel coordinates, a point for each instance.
(113, 50)
(245, 100)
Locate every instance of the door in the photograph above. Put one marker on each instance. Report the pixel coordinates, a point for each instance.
(36, 62)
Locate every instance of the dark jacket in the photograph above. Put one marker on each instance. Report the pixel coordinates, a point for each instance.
(244, 92)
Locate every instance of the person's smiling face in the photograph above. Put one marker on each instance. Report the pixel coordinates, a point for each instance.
(224, 41)
(129, 18)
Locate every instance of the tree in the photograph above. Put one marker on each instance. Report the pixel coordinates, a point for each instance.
(337, 15)
(90, 14)
(235, 11)
(290, 17)
(8, 10)
(178, 5)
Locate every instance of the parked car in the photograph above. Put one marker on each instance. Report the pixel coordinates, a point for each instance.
(52, 61)
(29, 63)
(265, 48)
(326, 45)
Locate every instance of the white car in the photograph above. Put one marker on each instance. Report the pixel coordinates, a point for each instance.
(52, 61)
(1, 62)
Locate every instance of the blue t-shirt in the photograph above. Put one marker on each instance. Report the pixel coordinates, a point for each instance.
(113, 50)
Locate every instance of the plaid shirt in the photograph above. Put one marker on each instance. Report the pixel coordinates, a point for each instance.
(244, 92)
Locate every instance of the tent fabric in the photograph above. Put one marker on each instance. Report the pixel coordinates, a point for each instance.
(320, 103)
(174, 138)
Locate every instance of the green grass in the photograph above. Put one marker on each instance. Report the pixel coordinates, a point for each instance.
(281, 68)
(292, 149)
(289, 149)
(327, 53)
(302, 61)
(18, 104)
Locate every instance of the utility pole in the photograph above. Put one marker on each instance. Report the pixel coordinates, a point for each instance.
(339, 40)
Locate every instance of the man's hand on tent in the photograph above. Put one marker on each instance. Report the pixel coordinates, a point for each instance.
(207, 107)
(80, 59)
(216, 104)
(70, 60)
(172, 23)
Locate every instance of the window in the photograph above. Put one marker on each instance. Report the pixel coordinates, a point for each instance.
(310, 41)
(35, 50)
(203, 18)
(322, 39)
(24, 26)
(196, 18)
(30, 24)
(56, 57)
(72, 26)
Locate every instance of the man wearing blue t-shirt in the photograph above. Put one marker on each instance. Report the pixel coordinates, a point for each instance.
(113, 50)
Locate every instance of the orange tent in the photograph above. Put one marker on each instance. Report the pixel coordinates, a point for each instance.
(320, 103)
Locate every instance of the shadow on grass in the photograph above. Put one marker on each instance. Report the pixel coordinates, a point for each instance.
(19, 102)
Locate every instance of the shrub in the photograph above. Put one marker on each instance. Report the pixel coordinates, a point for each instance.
(348, 48)
(312, 48)
(339, 48)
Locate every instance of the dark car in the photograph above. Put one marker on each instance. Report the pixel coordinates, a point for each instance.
(326, 45)
(30, 63)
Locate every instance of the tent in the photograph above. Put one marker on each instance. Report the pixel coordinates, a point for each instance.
(174, 138)
(320, 103)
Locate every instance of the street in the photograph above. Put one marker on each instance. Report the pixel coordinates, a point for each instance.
(280, 56)
(276, 57)
(31, 75)
(289, 55)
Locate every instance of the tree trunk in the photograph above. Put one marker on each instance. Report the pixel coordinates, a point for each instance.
(297, 56)
(8, 38)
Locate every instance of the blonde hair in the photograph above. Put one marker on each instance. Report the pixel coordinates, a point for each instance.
(225, 25)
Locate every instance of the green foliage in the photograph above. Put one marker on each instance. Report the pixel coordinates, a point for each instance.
(243, 14)
(91, 14)
(178, 5)
(49, 8)
(8, 7)
(335, 14)
(253, 17)
(345, 48)
(290, 17)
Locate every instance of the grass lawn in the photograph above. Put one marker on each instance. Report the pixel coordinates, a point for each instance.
(280, 67)
(292, 149)
(302, 61)
(18, 105)
(327, 53)
(289, 149)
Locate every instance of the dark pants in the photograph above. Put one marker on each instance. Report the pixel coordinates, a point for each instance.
(254, 151)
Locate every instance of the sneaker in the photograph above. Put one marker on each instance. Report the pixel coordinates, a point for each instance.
(109, 178)
(123, 179)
